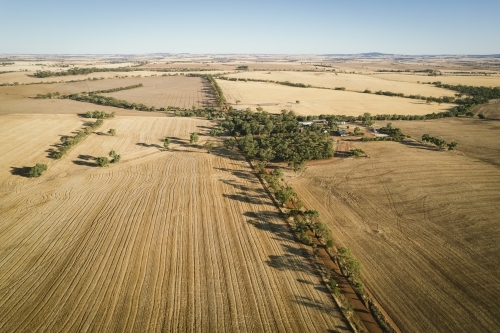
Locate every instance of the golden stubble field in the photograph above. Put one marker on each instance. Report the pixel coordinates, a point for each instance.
(423, 223)
(157, 91)
(175, 241)
(355, 82)
(274, 98)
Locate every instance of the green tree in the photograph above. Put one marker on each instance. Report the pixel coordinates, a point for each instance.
(102, 161)
(208, 146)
(37, 170)
(452, 145)
(193, 138)
(166, 142)
(112, 131)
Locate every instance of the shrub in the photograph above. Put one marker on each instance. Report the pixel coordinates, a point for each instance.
(37, 170)
(102, 161)
(481, 116)
(112, 131)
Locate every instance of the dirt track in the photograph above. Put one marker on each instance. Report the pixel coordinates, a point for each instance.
(163, 241)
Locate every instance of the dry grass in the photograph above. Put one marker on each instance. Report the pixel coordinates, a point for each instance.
(488, 81)
(356, 82)
(166, 241)
(423, 223)
(274, 98)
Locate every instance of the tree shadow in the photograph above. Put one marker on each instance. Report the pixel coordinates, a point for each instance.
(288, 262)
(23, 172)
(86, 160)
(149, 145)
(312, 303)
(85, 163)
(418, 145)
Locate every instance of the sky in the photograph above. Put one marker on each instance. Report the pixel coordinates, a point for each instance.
(249, 27)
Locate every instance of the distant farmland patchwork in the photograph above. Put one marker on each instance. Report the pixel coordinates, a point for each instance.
(187, 238)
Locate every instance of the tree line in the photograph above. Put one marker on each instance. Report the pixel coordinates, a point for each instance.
(69, 142)
(440, 143)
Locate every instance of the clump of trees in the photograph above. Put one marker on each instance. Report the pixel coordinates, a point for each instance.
(242, 68)
(277, 137)
(37, 170)
(115, 158)
(440, 143)
(102, 161)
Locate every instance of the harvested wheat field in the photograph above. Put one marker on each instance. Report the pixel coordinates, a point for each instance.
(468, 80)
(178, 91)
(274, 98)
(163, 241)
(424, 225)
(354, 82)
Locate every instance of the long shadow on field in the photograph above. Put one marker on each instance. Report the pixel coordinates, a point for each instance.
(312, 303)
(149, 145)
(23, 172)
(418, 145)
(263, 221)
(86, 160)
(223, 152)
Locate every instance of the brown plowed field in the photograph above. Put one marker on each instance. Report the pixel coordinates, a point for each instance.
(175, 241)
(179, 91)
(424, 225)
(157, 91)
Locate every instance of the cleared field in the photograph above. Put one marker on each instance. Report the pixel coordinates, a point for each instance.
(490, 110)
(469, 80)
(157, 91)
(356, 82)
(179, 91)
(274, 98)
(163, 241)
(424, 225)
(479, 139)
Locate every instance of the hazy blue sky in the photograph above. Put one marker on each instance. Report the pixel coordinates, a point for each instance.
(220, 26)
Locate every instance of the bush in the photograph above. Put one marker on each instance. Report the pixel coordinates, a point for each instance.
(37, 170)
(481, 116)
(112, 131)
(102, 161)
(305, 239)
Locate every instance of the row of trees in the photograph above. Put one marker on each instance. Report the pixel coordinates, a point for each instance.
(69, 142)
(81, 71)
(48, 95)
(99, 114)
(440, 143)
(116, 89)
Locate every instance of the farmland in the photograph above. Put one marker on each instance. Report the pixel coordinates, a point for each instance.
(354, 82)
(176, 240)
(180, 239)
(422, 222)
(274, 98)
(178, 91)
